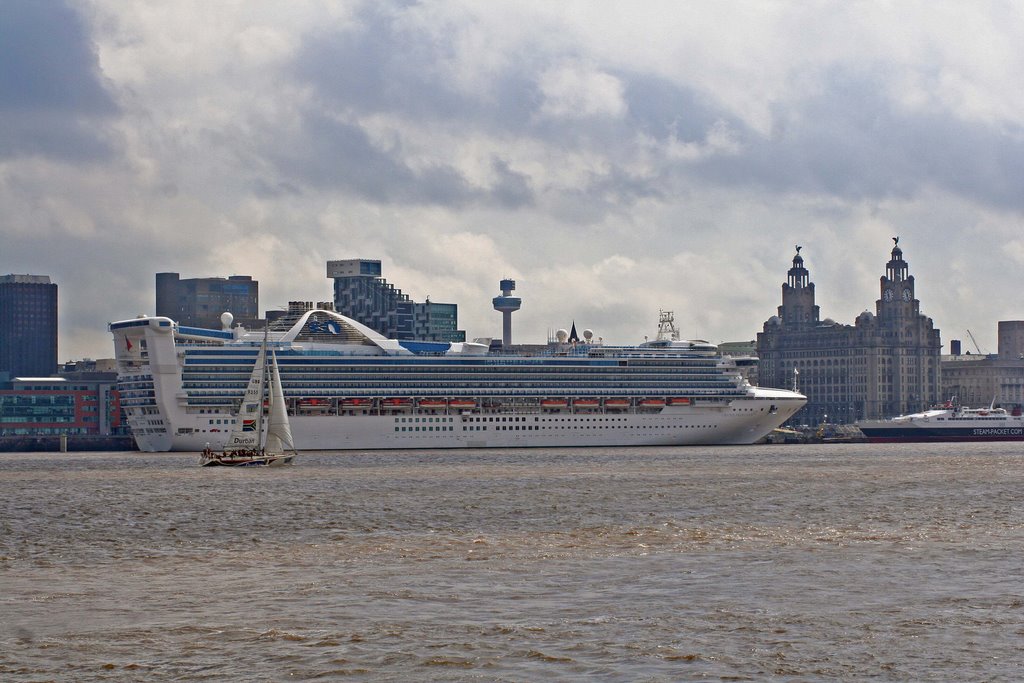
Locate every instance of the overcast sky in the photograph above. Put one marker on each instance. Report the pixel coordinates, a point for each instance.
(614, 158)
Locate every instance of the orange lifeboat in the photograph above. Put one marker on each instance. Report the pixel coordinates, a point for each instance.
(433, 403)
(462, 403)
(653, 403)
(355, 402)
(587, 403)
(616, 403)
(553, 403)
(678, 401)
(396, 402)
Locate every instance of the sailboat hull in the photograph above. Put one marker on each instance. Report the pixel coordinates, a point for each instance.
(255, 461)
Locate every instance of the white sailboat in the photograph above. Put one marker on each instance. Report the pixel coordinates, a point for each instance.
(255, 442)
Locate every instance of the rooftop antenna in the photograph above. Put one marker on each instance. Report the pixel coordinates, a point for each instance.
(667, 326)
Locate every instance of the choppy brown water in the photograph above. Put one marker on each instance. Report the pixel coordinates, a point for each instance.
(830, 562)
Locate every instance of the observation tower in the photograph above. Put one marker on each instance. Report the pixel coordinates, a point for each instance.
(507, 305)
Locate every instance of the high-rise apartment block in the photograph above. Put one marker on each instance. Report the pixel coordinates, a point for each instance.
(363, 295)
(199, 302)
(28, 326)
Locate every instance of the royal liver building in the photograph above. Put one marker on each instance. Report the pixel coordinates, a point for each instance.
(885, 364)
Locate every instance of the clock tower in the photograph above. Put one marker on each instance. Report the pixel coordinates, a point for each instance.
(897, 288)
(798, 307)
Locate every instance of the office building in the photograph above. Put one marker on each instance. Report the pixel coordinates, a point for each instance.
(200, 302)
(28, 326)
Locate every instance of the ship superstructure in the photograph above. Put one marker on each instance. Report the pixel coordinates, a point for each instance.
(348, 387)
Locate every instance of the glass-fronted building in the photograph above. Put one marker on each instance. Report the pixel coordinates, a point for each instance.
(363, 295)
(28, 326)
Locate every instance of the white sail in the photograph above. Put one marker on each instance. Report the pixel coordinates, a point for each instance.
(248, 427)
(279, 432)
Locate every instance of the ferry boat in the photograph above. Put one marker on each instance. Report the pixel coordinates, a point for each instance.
(949, 422)
(347, 387)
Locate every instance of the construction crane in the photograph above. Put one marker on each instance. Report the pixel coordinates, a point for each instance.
(975, 341)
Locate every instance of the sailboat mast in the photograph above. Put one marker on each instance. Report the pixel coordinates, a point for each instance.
(263, 392)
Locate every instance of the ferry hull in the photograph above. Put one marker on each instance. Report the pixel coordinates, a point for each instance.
(924, 435)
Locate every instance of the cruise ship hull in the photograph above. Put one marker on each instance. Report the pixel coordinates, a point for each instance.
(743, 421)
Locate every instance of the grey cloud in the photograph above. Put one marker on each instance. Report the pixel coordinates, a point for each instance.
(339, 155)
(848, 140)
(52, 101)
(268, 190)
(512, 189)
(660, 109)
(379, 66)
(852, 141)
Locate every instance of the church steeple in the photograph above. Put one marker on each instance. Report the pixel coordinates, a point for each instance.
(798, 295)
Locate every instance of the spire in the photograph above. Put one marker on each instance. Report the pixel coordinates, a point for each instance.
(573, 337)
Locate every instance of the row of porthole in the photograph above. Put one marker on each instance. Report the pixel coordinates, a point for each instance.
(474, 428)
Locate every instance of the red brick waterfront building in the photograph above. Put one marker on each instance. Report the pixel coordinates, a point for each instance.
(77, 403)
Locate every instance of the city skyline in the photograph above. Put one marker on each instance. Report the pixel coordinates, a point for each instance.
(613, 161)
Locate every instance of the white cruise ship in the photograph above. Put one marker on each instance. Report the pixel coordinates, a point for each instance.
(348, 387)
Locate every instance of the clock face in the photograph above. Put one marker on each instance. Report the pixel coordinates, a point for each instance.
(907, 295)
(887, 295)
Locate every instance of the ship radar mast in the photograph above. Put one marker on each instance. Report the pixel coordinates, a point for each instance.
(667, 327)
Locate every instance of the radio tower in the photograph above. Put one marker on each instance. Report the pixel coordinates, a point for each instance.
(507, 304)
